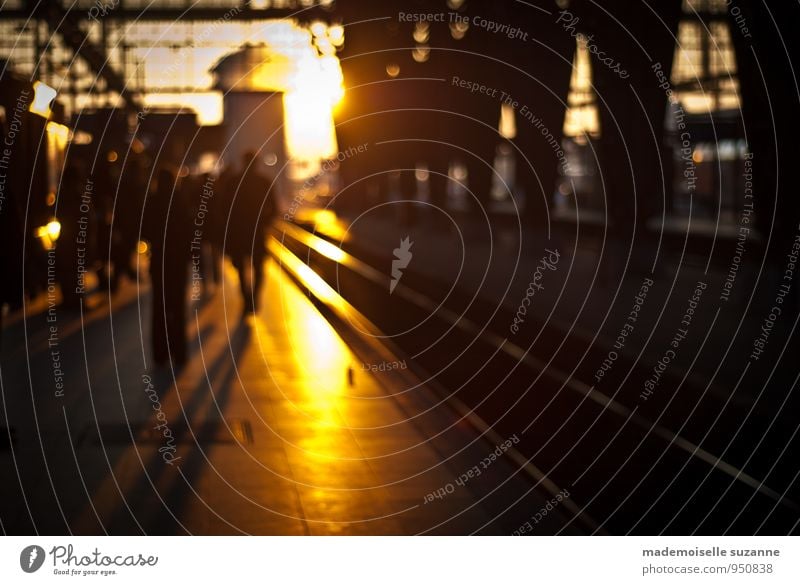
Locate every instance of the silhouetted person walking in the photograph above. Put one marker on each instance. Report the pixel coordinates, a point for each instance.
(125, 220)
(168, 227)
(102, 210)
(253, 208)
(209, 222)
(69, 214)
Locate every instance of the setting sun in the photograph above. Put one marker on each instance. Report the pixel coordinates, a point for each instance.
(315, 89)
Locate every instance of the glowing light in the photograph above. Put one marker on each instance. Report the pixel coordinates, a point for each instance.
(142, 247)
(310, 278)
(459, 29)
(330, 251)
(57, 138)
(327, 224)
(309, 125)
(508, 123)
(422, 32)
(112, 156)
(206, 163)
(421, 53)
(59, 134)
(322, 217)
(43, 96)
(393, 69)
(315, 90)
(322, 357)
(322, 360)
(137, 146)
(267, 65)
(81, 137)
(336, 35)
(318, 28)
(581, 118)
(325, 47)
(53, 228)
(705, 53)
(460, 172)
(332, 80)
(48, 234)
(301, 66)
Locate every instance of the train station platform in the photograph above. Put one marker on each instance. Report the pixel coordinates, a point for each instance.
(289, 422)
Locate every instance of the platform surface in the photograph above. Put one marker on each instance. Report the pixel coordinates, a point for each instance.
(276, 425)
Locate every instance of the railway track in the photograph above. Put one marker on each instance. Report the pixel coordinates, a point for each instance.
(629, 465)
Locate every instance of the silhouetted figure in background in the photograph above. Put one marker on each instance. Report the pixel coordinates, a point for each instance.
(208, 221)
(66, 254)
(126, 217)
(251, 214)
(168, 228)
(103, 192)
(215, 226)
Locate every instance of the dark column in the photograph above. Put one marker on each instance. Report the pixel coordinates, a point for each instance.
(536, 72)
(767, 51)
(627, 40)
(373, 40)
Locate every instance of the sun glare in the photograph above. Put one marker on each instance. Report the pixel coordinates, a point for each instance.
(315, 90)
(299, 61)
